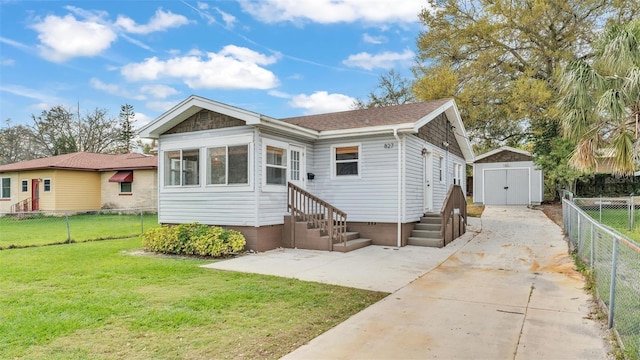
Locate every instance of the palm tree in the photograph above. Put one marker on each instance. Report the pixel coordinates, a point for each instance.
(600, 101)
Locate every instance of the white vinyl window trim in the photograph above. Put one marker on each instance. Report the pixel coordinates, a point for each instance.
(275, 165)
(5, 188)
(24, 185)
(442, 171)
(346, 161)
(182, 167)
(457, 173)
(228, 165)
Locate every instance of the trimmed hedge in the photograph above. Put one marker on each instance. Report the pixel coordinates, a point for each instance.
(193, 239)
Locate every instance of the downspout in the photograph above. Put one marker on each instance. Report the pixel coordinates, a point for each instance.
(399, 231)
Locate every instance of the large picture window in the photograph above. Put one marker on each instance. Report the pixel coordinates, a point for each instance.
(228, 165)
(182, 167)
(347, 160)
(276, 165)
(5, 188)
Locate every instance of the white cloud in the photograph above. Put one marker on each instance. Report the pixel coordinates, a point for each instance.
(203, 5)
(160, 21)
(385, 60)
(160, 106)
(159, 91)
(114, 89)
(62, 38)
(141, 119)
(334, 11)
(279, 94)
(373, 39)
(232, 68)
(229, 20)
(7, 62)
(322, 102)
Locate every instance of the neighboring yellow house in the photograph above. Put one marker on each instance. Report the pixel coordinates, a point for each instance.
(79, 181)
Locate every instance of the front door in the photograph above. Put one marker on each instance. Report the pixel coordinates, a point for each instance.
(35, 195)
(297, 174)
(428, 182)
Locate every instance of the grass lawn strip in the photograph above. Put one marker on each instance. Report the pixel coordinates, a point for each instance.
(93, 300)
(47, 230)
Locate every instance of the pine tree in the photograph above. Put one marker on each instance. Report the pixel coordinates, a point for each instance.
(128, 133)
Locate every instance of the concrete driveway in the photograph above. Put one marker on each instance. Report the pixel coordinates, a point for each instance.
(507, 292)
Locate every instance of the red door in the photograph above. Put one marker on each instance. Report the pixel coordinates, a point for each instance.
(35, 195)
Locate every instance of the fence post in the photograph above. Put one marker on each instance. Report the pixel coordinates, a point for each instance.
(631, 209)
(600, 212)
(579, 242)
(66, 215)
(612, 288)
(141, 222)
(593, 248)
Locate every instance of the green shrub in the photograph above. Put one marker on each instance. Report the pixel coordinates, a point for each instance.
(193, 239)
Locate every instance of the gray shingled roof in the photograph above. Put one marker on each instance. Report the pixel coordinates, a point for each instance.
(388, 115)
(86, 161)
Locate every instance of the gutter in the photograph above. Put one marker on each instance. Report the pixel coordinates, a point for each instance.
(399, 230)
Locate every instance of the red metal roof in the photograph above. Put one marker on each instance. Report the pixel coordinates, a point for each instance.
(86, 161)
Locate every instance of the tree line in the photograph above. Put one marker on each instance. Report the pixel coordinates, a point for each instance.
(560, 78)
(60, 131)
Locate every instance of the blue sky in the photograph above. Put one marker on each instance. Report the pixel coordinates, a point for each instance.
(279, 58)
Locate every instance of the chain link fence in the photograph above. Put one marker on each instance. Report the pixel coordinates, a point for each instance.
(25, 229)
(614, 261)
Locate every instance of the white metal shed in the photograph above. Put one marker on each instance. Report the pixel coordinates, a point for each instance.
(507, 176)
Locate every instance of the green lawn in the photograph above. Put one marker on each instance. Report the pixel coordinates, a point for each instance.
(96, 300)
(44, 230)
(619, 220)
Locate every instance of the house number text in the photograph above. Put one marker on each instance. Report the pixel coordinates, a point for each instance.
(388, 145)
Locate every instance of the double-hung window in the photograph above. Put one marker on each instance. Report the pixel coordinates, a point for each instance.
(276, 165)
(24, 186)
(457, 174)
(228, 165)
(47, 185)
(442, 170)
(5, 188)
(346, 160)
(182, 167)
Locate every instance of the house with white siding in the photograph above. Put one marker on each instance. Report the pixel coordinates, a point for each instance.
(350, 178)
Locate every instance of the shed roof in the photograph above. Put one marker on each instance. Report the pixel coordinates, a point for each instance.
(87, 162)
(501, 149)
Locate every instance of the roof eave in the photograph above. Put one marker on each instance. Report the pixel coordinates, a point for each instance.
(453, 115)
(280, 125)
(365, 131)
(502, 148)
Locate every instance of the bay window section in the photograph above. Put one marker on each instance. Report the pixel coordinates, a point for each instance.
(228, 165)
(276, 166)
(182, 167)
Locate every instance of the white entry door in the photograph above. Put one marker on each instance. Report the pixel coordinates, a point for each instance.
(428, 182)
(297, 172)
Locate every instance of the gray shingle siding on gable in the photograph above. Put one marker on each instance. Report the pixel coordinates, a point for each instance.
(437, 132)
(505, 156)
(205, 120)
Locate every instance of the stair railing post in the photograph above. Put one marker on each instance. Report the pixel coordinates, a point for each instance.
(330, 228)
